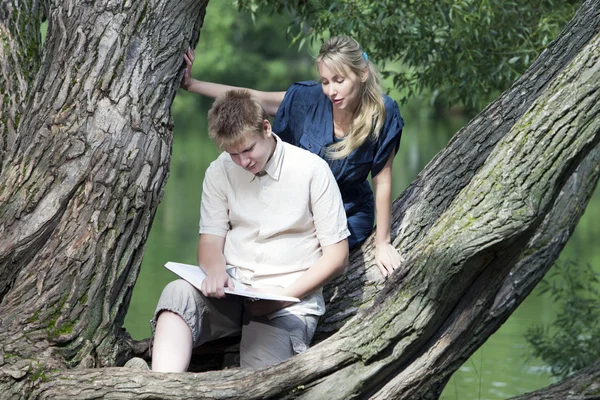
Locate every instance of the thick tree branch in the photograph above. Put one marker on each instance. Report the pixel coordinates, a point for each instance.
(20, 43)
(583, 385)
(436, 187)
(497, 292)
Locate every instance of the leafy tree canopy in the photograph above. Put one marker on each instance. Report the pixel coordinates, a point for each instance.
(457, 51)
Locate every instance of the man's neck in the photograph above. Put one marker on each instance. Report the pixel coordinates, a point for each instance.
(274, 144)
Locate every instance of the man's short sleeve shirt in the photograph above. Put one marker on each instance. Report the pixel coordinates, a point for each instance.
(274, 225)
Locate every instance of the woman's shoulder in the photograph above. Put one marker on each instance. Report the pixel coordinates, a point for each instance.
(393, 120)
(300, 98)
(307, 85)
(306, 91)
(391, 106)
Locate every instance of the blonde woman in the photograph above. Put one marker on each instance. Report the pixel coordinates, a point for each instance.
(346, 120)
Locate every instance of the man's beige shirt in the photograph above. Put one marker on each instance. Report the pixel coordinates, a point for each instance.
(274, 225)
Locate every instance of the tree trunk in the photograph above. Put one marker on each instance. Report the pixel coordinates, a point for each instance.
(84, 171)
(85, 156)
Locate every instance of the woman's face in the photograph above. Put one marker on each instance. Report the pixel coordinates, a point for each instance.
(343, 90)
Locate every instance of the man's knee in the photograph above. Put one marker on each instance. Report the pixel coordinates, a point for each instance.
(181, 298)
(179, 288)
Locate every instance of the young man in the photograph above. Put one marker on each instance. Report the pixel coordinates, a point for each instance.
(272, 217)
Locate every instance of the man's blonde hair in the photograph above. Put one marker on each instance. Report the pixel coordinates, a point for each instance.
(232, 115)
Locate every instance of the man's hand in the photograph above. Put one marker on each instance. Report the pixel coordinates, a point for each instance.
(215, 283)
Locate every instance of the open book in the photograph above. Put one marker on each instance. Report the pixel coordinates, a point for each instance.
(195, 276)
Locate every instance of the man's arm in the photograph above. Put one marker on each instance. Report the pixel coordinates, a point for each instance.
(331, 229)
(212, 262)
(331, 264)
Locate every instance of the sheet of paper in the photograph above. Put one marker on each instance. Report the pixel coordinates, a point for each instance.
(194, 275)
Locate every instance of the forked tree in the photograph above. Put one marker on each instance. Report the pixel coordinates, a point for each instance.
(84, 157)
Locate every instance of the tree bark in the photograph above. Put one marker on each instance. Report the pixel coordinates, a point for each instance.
(84, 172)
(479, 227)
(583, 385)
(19, 63)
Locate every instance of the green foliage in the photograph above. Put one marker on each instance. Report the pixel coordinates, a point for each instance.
(236, 50)
(572, 341)
(458, 51)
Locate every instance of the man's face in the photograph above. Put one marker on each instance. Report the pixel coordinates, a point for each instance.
(255, 151)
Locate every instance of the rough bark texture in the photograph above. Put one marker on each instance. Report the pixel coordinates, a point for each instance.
(479, 227)
(19, 63)
(83, 174)
(584, 385)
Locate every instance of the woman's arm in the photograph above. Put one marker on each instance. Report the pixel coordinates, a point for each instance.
(386, 256)
(269, 100)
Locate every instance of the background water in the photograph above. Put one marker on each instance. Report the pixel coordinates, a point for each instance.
(233, 50)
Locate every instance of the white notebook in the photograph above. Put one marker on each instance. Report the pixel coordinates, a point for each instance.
(194, 275)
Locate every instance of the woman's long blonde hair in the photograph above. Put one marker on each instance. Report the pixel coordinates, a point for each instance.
(340, 54)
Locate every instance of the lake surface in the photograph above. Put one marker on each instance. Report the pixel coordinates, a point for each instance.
(499, 369)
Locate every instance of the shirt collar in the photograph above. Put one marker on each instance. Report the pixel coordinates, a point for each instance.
(273, 166)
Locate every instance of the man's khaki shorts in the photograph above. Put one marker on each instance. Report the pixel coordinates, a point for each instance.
(264, 341)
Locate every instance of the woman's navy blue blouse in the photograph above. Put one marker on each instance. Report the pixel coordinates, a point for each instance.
(304, 119)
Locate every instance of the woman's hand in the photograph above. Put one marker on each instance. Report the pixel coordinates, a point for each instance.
(387, 258)
(187, 74)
